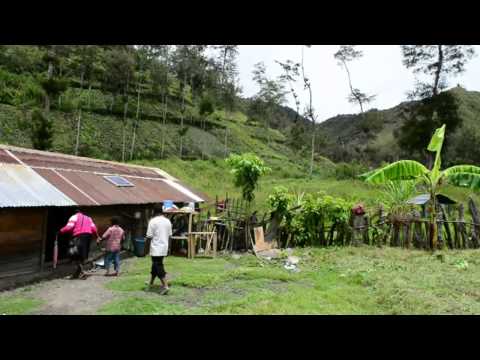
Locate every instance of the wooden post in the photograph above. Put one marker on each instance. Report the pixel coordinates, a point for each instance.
(417, 230)
(450, 243)
(44, 239)
(410, 232)
(427, 227)
(381, 224)
(366, 224)
(462, 229)
(441, 242)
(396, 234)
(476, 220)
(214, 244)
(191, 245)
(358, 223)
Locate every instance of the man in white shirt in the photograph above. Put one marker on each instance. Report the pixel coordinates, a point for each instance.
(158, 233)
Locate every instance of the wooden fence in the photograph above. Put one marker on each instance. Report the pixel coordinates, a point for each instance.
(375, 229)
(413, 230)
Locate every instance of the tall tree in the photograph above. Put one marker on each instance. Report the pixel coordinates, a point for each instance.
(437, 62)
(145, 57)
(228, 74)
(86, 62)
(346, 54)
(190, 67)
(53, 83)
(310, 111)
(435, 107)
(161, 81)
(270, 95)
(290, 76)
(119, 73)
(41, 131)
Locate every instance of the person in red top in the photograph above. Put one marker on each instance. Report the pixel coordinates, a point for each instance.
(83, 229)
(114, 237)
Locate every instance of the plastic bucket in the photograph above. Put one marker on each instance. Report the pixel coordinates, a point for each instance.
(140, 247)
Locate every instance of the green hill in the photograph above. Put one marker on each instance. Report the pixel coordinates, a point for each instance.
(373, 136)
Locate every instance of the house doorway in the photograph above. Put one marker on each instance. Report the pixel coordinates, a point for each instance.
(57, 218)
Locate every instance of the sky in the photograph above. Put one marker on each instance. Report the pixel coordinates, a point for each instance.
(380, 71)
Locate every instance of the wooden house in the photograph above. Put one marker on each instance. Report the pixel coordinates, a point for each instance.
(39, 191)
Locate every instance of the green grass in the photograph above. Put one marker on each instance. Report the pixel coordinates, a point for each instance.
(18, 305)
(331, 281)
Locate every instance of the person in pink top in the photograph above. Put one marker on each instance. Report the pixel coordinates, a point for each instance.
(113, 237)
(82, 228)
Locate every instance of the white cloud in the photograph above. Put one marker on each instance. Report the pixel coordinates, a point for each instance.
(379, 72)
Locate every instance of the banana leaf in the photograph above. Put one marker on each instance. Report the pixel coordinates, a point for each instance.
(400, 170)
(461, 169)
(465, 179)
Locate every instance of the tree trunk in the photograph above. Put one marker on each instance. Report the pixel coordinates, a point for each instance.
(164, 125)
(182, 115)
(124, 130)
(88, 96)
(79, 122)
(79, 119)
(351, 87)
(438, 71)
(137, 122)
(313, 152)
(226, 144)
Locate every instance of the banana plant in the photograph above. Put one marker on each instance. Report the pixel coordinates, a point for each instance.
(433, 179)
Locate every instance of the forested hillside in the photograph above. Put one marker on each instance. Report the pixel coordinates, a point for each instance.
(150, 102)
(399, 132)
(129, 103)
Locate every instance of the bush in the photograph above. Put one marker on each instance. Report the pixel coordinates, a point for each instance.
(41, 131)
(206, 106)
(344, 171)
(303, 217)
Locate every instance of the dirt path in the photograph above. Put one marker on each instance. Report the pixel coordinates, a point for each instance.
(73, 297)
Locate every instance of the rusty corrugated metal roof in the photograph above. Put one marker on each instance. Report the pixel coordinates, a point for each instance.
(81, 179)
(20, 186)
(6, 159)
(46, 161)
(105, 193)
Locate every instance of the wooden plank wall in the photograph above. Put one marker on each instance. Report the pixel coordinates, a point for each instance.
(20, 239)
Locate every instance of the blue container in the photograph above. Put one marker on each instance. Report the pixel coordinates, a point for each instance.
(140, 247)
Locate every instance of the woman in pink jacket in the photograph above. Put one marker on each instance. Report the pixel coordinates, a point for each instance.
(82, 228)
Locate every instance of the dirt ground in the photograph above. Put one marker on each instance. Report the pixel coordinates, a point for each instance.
(70, 297)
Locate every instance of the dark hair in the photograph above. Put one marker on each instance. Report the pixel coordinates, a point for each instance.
(158, 209)
(115, 220)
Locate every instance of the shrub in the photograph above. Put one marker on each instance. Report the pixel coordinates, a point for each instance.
(351, 170)
(207, 106)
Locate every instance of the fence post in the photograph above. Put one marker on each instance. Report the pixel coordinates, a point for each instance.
(417, 230)
(427, 227)
(381, 224)
(476, 220)
(358, 223)
(366, 224)
(440, 243)
(462, 228)
(450, 243)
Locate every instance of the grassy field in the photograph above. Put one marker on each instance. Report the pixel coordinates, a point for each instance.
(331, 281)
(213, 178)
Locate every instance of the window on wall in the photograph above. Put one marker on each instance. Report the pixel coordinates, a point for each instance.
(118, 181)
